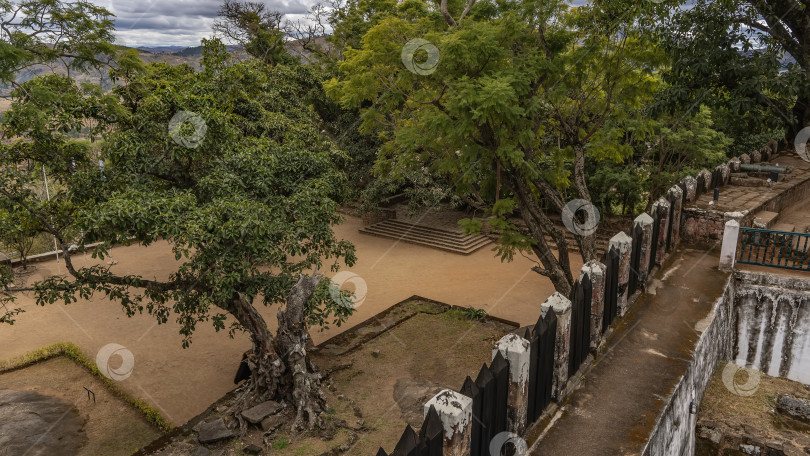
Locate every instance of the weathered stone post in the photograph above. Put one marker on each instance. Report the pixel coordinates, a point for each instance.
(676, 194)
(662, 206)
(734, 165)
(646, 222)
(745, 159)
(690, 183)
(756, 157)
(562, 345)
(728, 252)
(623, 244)
(455, 411)
(725, 173)
(596, 272)
(707, 180)
(516, 350)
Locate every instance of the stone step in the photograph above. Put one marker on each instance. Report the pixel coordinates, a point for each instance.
(765, 219)
(789, 227)
(426, 236)
(426, 230)
(394, 233)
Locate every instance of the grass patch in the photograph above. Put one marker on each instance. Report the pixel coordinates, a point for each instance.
(74, 353)
(281, 443)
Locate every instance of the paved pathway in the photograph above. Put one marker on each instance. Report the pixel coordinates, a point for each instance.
(615, 408)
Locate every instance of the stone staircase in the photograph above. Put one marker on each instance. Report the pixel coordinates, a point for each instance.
(427, 236)
(455, 241)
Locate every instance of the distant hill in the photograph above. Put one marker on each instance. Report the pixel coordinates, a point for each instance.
(172, 55)
(161, 49)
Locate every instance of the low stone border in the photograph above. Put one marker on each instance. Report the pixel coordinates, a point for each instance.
(74, 353)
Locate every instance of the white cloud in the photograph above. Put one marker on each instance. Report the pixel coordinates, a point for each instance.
(176, 22)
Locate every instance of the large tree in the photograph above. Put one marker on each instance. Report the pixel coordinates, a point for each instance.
(505, 102)
(751, 57)
(72, 34)
(228, 165)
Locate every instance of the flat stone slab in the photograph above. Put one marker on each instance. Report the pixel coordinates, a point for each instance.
(214, 432)
(765, 219)
(38, 424)
(257, 413)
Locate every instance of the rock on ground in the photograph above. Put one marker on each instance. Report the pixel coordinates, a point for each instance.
(214, 431)
(256, 414)
(798, 409)
(36, 424)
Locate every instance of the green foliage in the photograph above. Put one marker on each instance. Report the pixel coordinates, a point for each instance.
(680, 145)
(746, 133)
(18, 229)
(524, 94)
(245, 189)
(475, 314)
(619, 188)
(78, 33)
(740, 56)
(7, 312)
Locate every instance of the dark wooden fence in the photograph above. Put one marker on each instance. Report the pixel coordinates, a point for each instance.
(611, 260)
(656, 229)
(541, 367)
(580, 323)
(635, 260)
(429, 441)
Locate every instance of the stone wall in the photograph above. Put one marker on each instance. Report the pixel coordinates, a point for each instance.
(771, 318)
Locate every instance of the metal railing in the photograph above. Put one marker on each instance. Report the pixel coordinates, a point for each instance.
(780, 249)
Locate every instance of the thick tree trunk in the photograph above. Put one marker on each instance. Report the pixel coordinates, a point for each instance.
(291, 341)
(280, 367)
(587, 244)
(558, 270)
(267, 369)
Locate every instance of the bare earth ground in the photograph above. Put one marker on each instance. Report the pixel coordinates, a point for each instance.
(752, 416)
(112, 427)
(182, 383)
(386, 380)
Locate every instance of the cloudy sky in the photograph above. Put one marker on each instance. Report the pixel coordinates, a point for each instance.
(177, 22)
(184, 22)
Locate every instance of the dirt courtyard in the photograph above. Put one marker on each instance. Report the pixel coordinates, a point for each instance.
(182, 383)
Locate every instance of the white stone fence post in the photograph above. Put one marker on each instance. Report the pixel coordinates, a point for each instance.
(728, 251)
